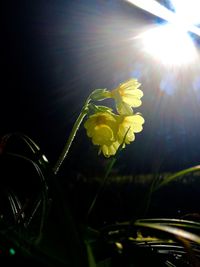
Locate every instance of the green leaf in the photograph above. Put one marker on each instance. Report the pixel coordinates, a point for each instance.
(175, 176)
(99, 94)
(97, 108)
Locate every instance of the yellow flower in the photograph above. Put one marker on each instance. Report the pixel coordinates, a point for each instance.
(109, 150)
(109, 131)
(102, 128)
(128, 126)
(127, 96)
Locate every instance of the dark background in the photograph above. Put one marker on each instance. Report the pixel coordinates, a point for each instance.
(54, 53)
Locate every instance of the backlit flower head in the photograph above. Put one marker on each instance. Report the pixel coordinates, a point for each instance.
(109, 131)
(102, 128)
(127, 96)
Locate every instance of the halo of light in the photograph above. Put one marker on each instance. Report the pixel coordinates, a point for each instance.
(170, 44)
(187, 11)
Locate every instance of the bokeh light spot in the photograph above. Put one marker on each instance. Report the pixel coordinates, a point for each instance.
(12, 252)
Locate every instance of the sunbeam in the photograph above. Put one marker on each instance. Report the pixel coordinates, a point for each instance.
(170, 43)
(162, 12)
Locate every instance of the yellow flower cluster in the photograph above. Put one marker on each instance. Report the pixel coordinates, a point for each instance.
(109, 130)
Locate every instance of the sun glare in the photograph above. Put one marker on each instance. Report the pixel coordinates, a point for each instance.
(171, 43)
(187, 11)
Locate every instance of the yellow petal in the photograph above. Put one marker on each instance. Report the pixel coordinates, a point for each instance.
(125, 133)
(124, 108)
(110, 150)
(132, 101)
(134, 92)
(102, 134)
(104, 149)
(137, 122)
(130, 83)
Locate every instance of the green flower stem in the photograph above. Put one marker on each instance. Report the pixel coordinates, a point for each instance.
(72, 135)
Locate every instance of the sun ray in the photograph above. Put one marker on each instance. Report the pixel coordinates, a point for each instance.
(162, 12)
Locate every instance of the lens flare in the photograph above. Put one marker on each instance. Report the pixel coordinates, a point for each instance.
(187, 11)
(169, 44)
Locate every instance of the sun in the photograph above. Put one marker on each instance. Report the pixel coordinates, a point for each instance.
(171, 42)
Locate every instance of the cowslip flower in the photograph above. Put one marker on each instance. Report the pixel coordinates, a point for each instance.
(128, 126)
(127, 96)
(102, 128)
(109, 130)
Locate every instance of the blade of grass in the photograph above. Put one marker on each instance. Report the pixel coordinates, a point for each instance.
(175, 176)
(174, 231)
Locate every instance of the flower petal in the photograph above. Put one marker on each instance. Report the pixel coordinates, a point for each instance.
(127, 96)
(123, 108)
(102, 135)
(132, 101)
(133, 83)
(110, 150)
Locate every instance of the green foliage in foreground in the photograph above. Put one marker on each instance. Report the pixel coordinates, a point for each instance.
(44, 232)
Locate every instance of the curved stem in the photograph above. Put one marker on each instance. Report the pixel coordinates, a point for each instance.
(176, 175)
(71, 136)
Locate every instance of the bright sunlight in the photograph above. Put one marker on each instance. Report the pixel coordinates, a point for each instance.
(170, 43)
